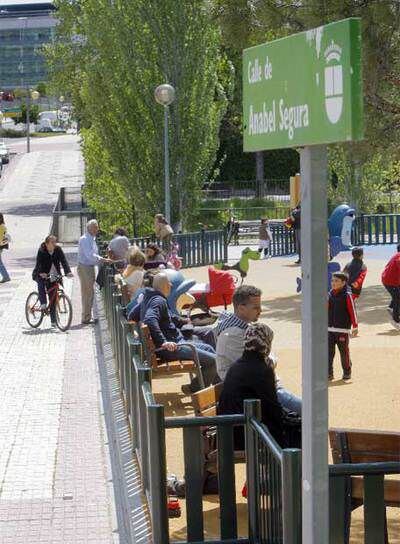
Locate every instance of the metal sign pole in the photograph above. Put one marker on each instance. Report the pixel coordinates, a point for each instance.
(314, 248)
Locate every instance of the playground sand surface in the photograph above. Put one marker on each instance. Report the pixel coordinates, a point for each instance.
(371, 400)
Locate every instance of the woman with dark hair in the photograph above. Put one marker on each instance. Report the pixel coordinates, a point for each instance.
(253, 377)
(4, 239)
(154, 257)
(49, 260)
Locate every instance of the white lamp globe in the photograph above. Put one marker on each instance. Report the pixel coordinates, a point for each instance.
(164, 94)
(35, 95)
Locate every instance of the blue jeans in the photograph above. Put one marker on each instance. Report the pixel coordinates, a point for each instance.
(42, 284)
(3, 270)
(288, 400)
(207, 359)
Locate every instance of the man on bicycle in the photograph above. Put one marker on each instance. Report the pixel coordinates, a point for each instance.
(49, 260)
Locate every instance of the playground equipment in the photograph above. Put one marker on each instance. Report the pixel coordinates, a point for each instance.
(340, 224)
(242, 266)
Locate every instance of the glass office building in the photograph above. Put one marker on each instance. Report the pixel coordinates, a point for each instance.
(25, 26)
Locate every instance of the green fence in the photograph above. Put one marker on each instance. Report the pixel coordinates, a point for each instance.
(273, 473)
(195, 248)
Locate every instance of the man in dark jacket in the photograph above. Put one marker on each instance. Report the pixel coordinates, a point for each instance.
(296, 223)
(154, 312)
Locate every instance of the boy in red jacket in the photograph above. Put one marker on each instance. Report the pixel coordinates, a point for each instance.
(356, 270)
(391, 280)
(342, 322)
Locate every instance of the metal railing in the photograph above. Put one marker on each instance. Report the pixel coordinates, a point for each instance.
(278, 187)
(340, 500)
(273, 474)
(377, 229)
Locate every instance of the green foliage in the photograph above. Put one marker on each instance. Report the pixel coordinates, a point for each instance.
(358, 166)
(215, 213)
(33, 114)
(111, 77)
(42, 88)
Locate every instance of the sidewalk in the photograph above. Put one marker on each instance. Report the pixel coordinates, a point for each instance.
(55, 475)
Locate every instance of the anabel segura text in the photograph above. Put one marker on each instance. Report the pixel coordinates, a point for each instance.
(277, 116)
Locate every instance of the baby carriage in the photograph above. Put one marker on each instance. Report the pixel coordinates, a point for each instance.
(217, 292)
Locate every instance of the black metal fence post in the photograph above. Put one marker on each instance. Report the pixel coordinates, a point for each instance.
(158, 474)
(291, 496)
(252, 409)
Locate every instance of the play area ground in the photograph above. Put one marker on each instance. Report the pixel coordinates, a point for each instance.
(371, 400)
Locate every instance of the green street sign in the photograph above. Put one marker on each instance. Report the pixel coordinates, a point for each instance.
(305, 89)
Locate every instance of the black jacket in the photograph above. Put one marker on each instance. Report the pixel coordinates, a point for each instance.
(154, 312)
(252, 378)
(341, 309)
(44, 261)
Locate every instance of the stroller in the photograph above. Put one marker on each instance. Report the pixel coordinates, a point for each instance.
(217, 292)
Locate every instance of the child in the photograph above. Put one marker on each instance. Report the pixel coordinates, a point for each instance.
(265, 237)
(342, 321)
(356, 270)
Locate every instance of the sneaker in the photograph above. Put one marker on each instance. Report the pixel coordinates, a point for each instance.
(395, 324)
(43, 307)
(187, 389)
(5, 280)
(53, 325)
(346, 376)
(175, 487)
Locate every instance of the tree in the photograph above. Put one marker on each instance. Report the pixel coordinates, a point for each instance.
(352, 163)
(33, 114)
(111, 77)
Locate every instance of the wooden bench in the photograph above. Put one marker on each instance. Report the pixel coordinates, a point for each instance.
(363, 446)
(158, 365)
(205, 403)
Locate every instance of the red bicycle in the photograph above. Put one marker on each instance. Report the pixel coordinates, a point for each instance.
(57, 298)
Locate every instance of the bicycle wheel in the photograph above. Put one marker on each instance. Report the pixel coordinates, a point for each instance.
(33, 313)
(63, 312)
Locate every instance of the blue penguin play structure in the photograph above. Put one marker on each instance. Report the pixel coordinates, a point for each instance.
(340, 224)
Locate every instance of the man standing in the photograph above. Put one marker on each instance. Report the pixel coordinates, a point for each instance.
(231, 331)
(296, 218)
(391, 281)
(88, 259)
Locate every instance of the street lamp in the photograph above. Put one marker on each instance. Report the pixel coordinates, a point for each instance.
(165, 95)
(34, 95)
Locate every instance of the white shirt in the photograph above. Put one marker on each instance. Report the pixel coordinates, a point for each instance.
(88, 252)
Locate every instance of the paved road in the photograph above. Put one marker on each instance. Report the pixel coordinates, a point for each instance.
(54, 475)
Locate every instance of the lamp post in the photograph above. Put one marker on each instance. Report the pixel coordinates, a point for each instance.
(165, 95)
(34, 95)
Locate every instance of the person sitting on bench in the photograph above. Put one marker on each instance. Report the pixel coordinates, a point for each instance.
(253, 377)
(230, 333)
(154, 312)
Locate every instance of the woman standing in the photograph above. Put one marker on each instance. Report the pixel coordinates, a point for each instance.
(162, 228)
(49, 260)
(4, 239)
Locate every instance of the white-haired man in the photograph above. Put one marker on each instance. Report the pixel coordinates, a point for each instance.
(88, 259)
